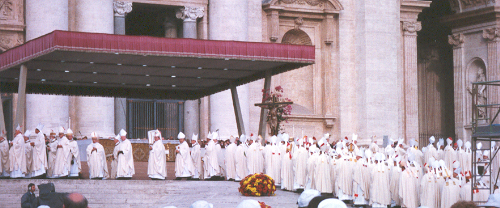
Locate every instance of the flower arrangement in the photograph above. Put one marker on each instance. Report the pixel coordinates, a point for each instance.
(264, 205)
(277, 113)
(257, 185)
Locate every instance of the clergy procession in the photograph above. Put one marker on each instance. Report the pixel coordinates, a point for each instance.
(399, 174)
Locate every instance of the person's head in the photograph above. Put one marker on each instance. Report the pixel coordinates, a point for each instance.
(37, 131)
(464, 204)
(75, 200)
(316, 200)
(31, 187)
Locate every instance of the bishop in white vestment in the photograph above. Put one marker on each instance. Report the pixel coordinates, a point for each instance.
(229, 161)
(157, 162)
(183, 162)
(17, 156)
(76, 166)
(96, 159)
(39, 164)
(52, 153)
(196, 156)
(63, 156)
(211, 162)
(240, 159)
(125, 165)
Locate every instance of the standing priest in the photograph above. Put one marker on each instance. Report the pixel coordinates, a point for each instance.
(17, 156)
(96, 159)
(63, 160)
(4, 156)
(125, 165)
(39, 163)
(157, 163)
(184, 167)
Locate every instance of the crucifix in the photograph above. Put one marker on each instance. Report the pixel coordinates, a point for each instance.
(272, 115)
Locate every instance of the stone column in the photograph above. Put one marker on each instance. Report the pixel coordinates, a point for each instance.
(189, 15)
(43, 17)
(410, 94)
(94, 113)
(121, 9)
(457, 41)
(228, 20)
(492, 36)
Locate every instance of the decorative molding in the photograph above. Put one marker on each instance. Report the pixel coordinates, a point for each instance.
(456, 40)
(10, 39)
(302, 2)
(7, 10)
(190, 13)
(411, 28)
(491, 34)
(298, 22)
(122, 8)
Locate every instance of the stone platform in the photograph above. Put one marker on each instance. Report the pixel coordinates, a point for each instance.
(144, 193)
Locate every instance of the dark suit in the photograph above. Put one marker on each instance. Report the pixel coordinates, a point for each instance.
(28, 200)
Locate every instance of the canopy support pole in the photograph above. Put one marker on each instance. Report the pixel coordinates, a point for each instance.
(21, 97)
(237, 109)
(263, 111)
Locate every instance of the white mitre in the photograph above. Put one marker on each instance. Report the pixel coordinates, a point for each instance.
(194, 137)
(61, 130)
(27, 133)
(39, 127)
(93, 135)
(123, 132)
(181, 136)
(69, 131)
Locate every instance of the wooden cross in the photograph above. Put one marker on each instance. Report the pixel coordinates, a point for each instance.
(272, 106)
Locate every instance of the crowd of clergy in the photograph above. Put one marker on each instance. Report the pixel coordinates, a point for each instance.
(399, 174)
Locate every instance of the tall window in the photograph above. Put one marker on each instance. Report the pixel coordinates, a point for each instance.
(164, 115)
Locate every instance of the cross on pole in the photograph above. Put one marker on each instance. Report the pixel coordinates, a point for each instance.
(273, 106)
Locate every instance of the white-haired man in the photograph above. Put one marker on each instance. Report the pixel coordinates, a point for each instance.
(157, 163)
(96, 159)
(125, 166)
(74, 156)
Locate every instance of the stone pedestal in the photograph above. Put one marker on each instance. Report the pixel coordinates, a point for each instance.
(94, 113)
(50, 110)
(228, 21)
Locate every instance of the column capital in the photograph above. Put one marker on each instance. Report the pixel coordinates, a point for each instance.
(411, 27)
(122, 8)
(190, 13)
(492, 34)
(456, 40)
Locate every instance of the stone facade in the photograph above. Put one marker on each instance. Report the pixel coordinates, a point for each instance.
(366, 79)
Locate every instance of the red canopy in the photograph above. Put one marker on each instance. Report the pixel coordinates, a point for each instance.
(75, 63)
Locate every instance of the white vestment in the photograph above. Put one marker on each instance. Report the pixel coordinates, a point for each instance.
(114, 162)
(450, 155)
(125, 166)
(183, 162)
(450, 193)
(380, 195)
(4, 159)
(62, 164)
(39, 164)
(51, 162)
(74, 158)
(230, 161)
(17, 157)
(394, 185)
(408, 189)
(343, 181)
(322, 175)
(220, 160)
(428, 188)
(287, 171)
(29, 158)
(431, 152)
(300, 158)
(361, 194)
(253, 154)
(310, 166)
(240, 160)
(196, 156)
(210, 161)
(157, 162)
(96, 160)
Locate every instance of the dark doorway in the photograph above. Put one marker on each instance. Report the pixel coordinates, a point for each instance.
(435, 74)
(151, 20)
